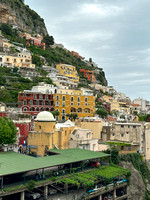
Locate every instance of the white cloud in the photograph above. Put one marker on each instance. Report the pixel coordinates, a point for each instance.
(100, 9)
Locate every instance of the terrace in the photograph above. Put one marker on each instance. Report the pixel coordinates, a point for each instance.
(63, 170)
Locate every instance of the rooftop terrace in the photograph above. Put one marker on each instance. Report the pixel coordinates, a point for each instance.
(12, 163)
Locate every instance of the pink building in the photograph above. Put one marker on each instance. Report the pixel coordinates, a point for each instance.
(36, 40)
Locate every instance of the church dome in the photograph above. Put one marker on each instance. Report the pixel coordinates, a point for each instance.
(45, 116)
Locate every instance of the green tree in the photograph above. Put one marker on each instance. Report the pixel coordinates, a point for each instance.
(2, 80)
(101, 112)
(36, 60)
(7, 29)
(55, 113)
(7, 131)
(114, 155)
(15, 69)
(49, 40)
(5, 96)
(72, 116)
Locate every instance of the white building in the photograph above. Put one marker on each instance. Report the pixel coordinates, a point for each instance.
(44, 88)
(141, 102)
(61, 80)
(83, 139)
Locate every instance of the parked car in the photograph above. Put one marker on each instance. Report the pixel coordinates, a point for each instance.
(32, 196)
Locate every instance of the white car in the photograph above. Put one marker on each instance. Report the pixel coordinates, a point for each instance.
(33, 195)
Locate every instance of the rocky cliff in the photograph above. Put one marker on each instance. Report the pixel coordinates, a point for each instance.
(136, 188)
(15, 12)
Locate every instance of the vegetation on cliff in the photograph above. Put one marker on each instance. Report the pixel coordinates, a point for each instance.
(16, 12)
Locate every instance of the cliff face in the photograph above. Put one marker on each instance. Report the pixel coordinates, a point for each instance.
(136, 188)
(15, 12)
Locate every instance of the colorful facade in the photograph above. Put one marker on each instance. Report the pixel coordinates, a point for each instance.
(35, 40)
(18, 60)
(24, 128)
(83, 106)
(68, 71)
(35, 102)
(48, 135)
(88, 74)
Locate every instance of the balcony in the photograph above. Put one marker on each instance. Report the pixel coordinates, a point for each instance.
(84, 141)
(26, 98)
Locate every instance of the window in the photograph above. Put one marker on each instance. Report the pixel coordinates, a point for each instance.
(127, 132)
(57, 103)
(63, 118)
(128, 126)
(39, 127)
(113, 134)
(122, 126)
(7, 59)
(71, 98)
(24, 102)
(31, 102)
(122, 134)
(63, 103)
(46, 97)
(57, 98)
(134, 126)
(78, 98)
(35, 96)
(41, 96)
(25, 109)
(85, 104)
(86, 111)
(78, 103)
(37, 103)
(63, 98)
(14, 60)
(72, 103)
(63, 111)
(85, 99)
(56, 118)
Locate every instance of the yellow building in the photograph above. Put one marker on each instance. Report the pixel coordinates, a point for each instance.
(69, 71)
(113, 102)
(95, 126)
(47, 135)
(69, 91)
(124, 107)
(17, 60)
(82, 105)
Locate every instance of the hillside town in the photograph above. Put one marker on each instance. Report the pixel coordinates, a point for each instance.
(63, 117)
(64, 132)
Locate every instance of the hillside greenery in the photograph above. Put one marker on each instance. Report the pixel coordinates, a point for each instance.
(12, 80)
(11, 83)
(87, 180)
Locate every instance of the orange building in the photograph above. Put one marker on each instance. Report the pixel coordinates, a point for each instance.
(88, 74)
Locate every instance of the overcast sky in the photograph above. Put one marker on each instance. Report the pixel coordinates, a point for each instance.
(114, 33)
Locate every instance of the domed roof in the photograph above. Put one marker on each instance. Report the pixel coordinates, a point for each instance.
(45, 116)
